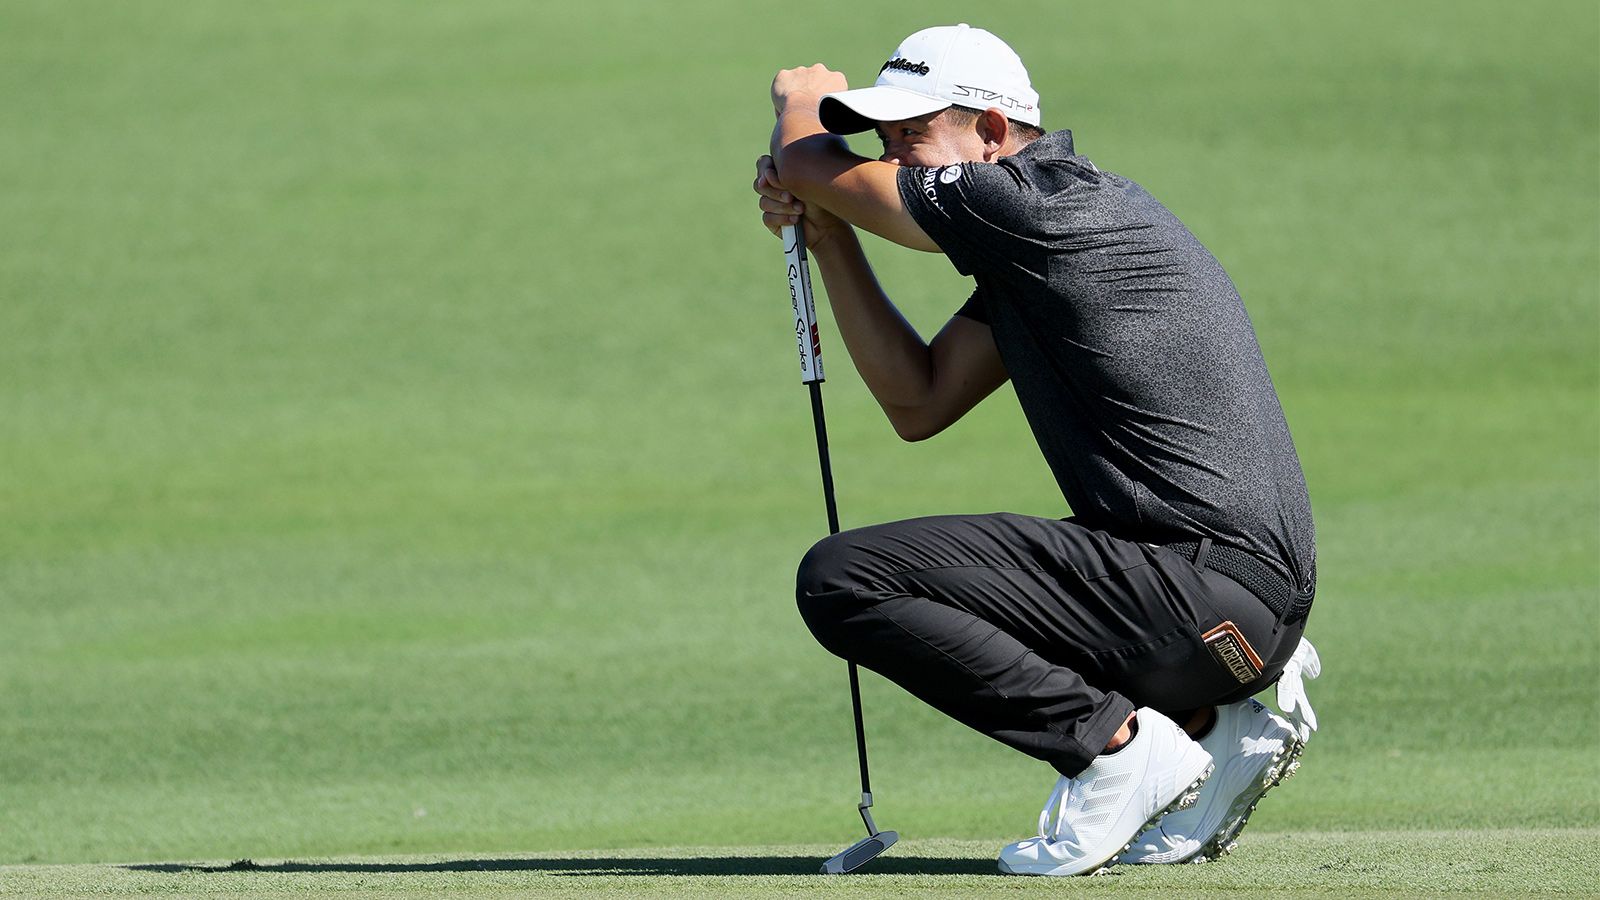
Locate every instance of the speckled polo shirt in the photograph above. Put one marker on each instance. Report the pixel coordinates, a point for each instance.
(1129, 349)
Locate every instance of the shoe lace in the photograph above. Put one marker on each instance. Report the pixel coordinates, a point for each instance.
(1057, 804)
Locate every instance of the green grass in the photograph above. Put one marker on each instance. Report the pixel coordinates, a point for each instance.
(403, 453)
(1510, 863)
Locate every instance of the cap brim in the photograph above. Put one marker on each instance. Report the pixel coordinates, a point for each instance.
(849, 112)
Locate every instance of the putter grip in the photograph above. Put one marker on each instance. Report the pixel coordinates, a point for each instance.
(805, 308)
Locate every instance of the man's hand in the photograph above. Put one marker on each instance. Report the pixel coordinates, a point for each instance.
(808, 81)
(780, 208)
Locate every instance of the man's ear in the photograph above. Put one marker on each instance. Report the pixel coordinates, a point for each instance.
(994, 128)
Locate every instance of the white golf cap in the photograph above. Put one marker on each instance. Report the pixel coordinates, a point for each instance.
(951, 65)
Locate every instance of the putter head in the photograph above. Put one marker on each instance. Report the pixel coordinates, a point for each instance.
(860, 853)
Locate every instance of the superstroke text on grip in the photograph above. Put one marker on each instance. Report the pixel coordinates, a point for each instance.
(807, 338)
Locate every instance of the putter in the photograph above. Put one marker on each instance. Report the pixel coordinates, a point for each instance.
(810, 345)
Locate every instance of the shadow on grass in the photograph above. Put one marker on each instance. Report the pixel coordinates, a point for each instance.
(698, 865)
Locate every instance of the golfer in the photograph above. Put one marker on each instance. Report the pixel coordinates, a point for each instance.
(1121, 645)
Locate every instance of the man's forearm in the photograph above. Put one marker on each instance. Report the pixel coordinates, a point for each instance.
(820, 168)
(798, 139)
(797, 119)
(892, 358)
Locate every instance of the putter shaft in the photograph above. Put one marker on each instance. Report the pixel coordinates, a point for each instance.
(810, 347)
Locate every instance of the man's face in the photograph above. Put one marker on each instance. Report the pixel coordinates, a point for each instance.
(930, 140)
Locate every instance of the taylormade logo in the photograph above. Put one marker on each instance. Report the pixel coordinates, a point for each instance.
(901, 64)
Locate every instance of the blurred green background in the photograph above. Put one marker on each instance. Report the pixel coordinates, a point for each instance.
(403, 448)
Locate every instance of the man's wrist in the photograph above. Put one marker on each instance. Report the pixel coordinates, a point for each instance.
(833, 241)
(797, 102)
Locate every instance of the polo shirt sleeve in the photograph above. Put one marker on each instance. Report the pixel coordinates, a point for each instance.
(974, 308)
(978, 213)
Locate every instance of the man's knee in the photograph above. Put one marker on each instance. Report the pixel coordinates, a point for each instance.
(826, 566)
(825, 589)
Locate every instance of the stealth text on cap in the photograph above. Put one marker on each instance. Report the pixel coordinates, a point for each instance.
(988, 96)
(902, 64)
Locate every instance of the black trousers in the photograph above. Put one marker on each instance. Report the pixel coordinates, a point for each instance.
(1040, 633)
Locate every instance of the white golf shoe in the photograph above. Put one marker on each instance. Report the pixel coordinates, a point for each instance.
(1090, 819)
(1254, 750)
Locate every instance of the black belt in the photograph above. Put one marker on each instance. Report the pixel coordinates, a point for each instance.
(1253, 575)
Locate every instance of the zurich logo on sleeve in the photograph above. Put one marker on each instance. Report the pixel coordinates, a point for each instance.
(933, 178)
